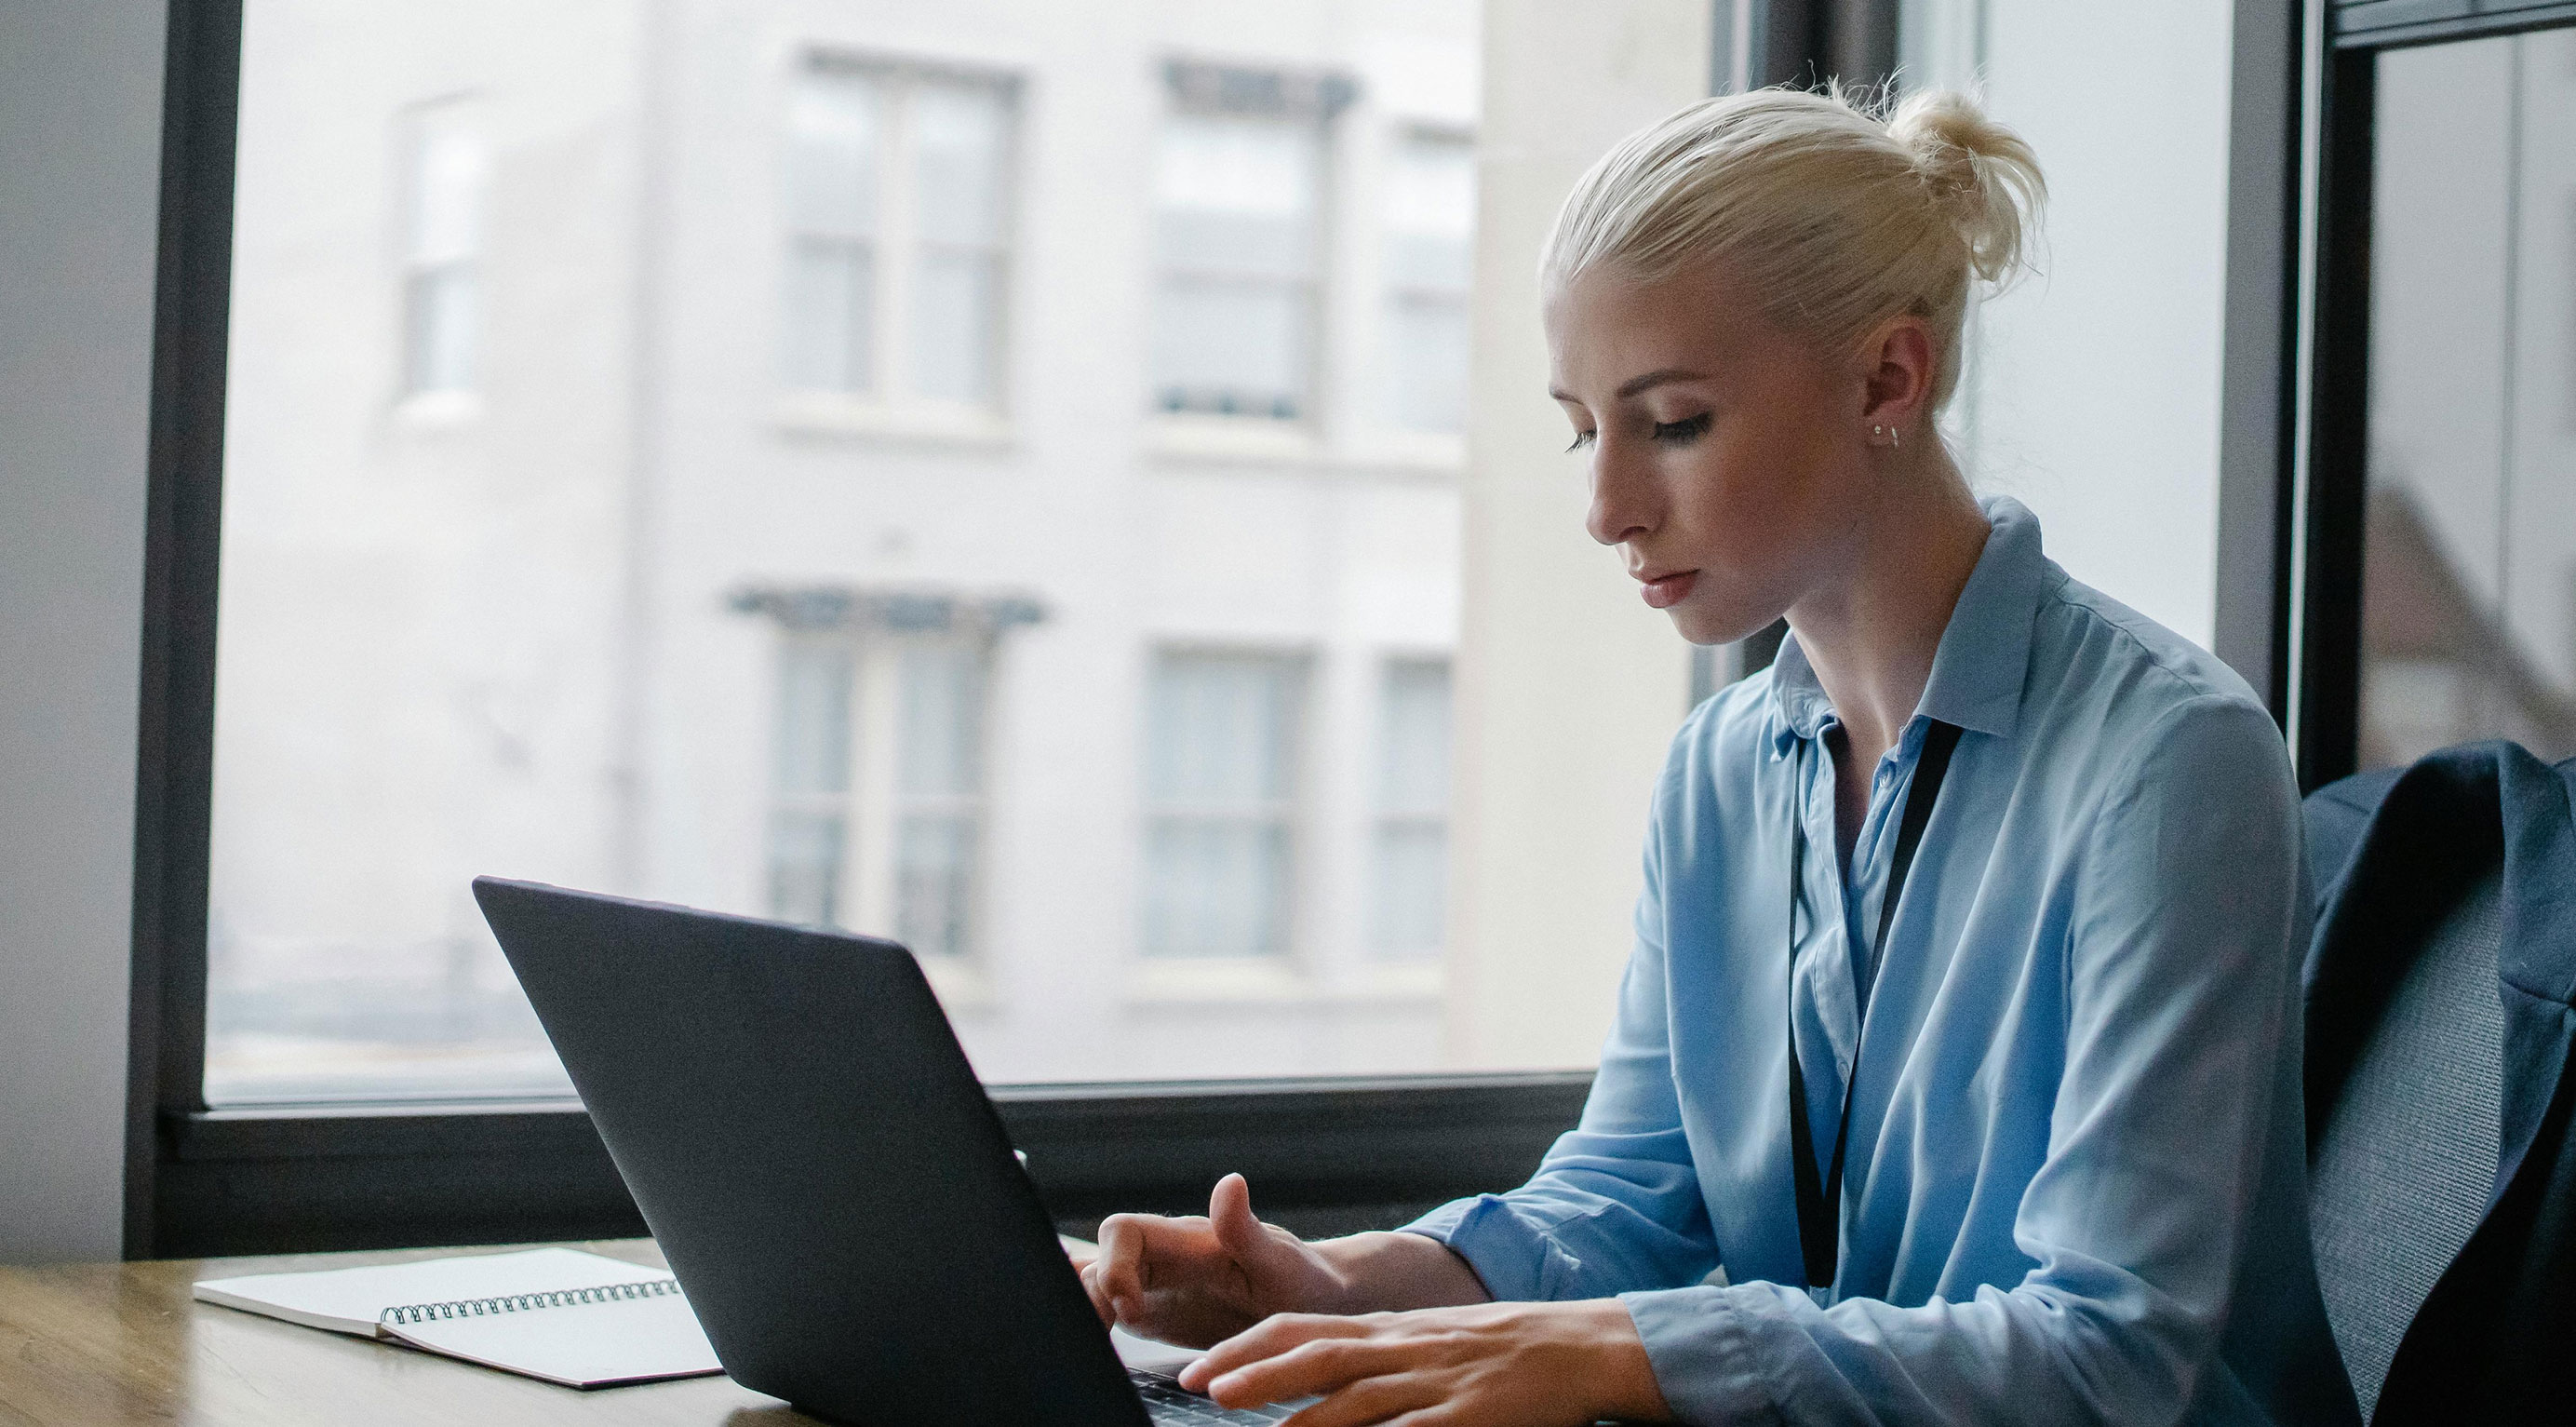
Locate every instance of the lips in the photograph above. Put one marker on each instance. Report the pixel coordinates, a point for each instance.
(1670, 590)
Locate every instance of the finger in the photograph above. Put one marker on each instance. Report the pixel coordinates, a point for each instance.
(1088, 1272)
(1323, 1365)
(1230, 1214)
(1268, 1338)
(1381, 1399)
(1119, 1272)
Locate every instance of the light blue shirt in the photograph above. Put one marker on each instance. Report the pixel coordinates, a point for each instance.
(2075, 1189)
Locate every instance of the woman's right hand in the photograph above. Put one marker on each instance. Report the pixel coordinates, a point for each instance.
(1196, 1281)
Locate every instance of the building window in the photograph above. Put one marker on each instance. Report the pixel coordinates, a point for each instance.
(878, 782)
(938, 813)
(442, 226)
(1429, 207)
(898, 189)
(810, 779)
(1221, 776)
(1412, 832)
(1238, 223)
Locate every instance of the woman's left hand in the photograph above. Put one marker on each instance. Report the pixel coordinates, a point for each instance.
(1489, 1365)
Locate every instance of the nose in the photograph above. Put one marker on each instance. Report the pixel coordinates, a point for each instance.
(1625, 501)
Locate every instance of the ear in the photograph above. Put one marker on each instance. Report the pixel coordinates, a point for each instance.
(1896, 384)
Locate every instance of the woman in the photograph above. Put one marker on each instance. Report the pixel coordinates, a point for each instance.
(1955, 1074)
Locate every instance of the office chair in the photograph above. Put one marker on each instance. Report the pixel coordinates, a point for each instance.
(2404, 1160)
(2438, 1196)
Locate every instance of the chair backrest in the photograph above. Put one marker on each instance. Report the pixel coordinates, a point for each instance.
(2406, 1158)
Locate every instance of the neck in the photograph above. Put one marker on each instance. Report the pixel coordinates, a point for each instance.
(1871, 636)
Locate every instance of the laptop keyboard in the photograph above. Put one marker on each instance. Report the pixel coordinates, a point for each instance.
(1171, 1405)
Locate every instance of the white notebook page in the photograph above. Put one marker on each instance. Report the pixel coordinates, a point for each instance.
(350, 1300)
(577, 1344)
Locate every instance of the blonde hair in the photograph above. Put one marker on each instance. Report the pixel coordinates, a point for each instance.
(1839, 214)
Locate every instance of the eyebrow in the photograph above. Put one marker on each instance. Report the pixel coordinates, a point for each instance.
(1647, 382)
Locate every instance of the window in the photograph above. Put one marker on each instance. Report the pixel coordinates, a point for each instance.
(810, 777)
(1221, 761)
(1412, 853)
(442, 226)
(877, 781)
(1429, 200)
(938, 792)
(898, 214)
(1239, 182)
(2468, 599)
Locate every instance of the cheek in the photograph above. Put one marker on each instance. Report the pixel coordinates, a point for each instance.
(1741, 497)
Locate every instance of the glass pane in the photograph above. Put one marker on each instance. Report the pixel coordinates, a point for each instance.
(1426, 379)
(832, 153)
(447, 185)
(1216, 888)
(954, 319)
(935, 883)
(1235, 200)
(1222, 730)
(958, 134)
(438, 310)
(1412, 890)
(805, 867)
(622, 623)
(941, 736)
(1413, 771)
(1231, 348)
(1237, 193)
(2469, 597)
(831, 307)
(811, 751)
(1430, 213)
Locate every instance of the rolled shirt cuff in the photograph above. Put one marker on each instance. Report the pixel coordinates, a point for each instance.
(1701, 1343)
(1507, 1251)
(1700, 1339)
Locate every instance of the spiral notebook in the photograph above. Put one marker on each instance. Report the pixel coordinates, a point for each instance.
(567, 1317)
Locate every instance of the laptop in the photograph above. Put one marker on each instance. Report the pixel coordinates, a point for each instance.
(821, 1167)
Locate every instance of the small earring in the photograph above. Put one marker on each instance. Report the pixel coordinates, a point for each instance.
(1895, 439)
(1877, 431)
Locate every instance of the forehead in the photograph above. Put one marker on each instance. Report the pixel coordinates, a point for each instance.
(1605, 327)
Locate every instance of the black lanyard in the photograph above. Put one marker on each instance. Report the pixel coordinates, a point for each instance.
(1820, 1206)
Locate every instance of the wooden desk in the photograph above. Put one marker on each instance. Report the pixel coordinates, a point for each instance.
(84, 1344)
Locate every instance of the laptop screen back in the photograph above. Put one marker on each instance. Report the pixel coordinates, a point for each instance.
(812, 1150)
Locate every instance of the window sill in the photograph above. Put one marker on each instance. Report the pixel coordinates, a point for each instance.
(1263, 981)
(828, 416)
(429, 412)
(1250, 441)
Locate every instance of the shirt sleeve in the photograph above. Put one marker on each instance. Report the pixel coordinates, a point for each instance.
(2181, 1059)
(1616, 1204)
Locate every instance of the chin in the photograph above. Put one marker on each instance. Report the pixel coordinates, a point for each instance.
(1717, 626)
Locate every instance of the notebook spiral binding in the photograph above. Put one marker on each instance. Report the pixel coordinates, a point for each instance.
(522, 1302)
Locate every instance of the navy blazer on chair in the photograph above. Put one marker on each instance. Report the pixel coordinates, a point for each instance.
(2394, 852)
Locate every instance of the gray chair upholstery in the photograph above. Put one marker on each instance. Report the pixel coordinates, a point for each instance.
(2406, 1160)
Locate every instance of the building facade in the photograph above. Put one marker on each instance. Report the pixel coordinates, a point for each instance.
(984, 474)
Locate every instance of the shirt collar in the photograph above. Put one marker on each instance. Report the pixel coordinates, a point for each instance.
(1984, 655)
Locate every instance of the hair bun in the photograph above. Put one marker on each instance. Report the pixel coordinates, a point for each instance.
(1981, 173)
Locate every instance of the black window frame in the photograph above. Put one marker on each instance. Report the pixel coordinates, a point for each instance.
(1327, 1155)
(2294, 457)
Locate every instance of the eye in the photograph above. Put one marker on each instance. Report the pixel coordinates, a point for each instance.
(1581, 440)
(1684, 431)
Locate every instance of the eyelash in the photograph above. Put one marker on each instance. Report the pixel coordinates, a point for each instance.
(1673, 433)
